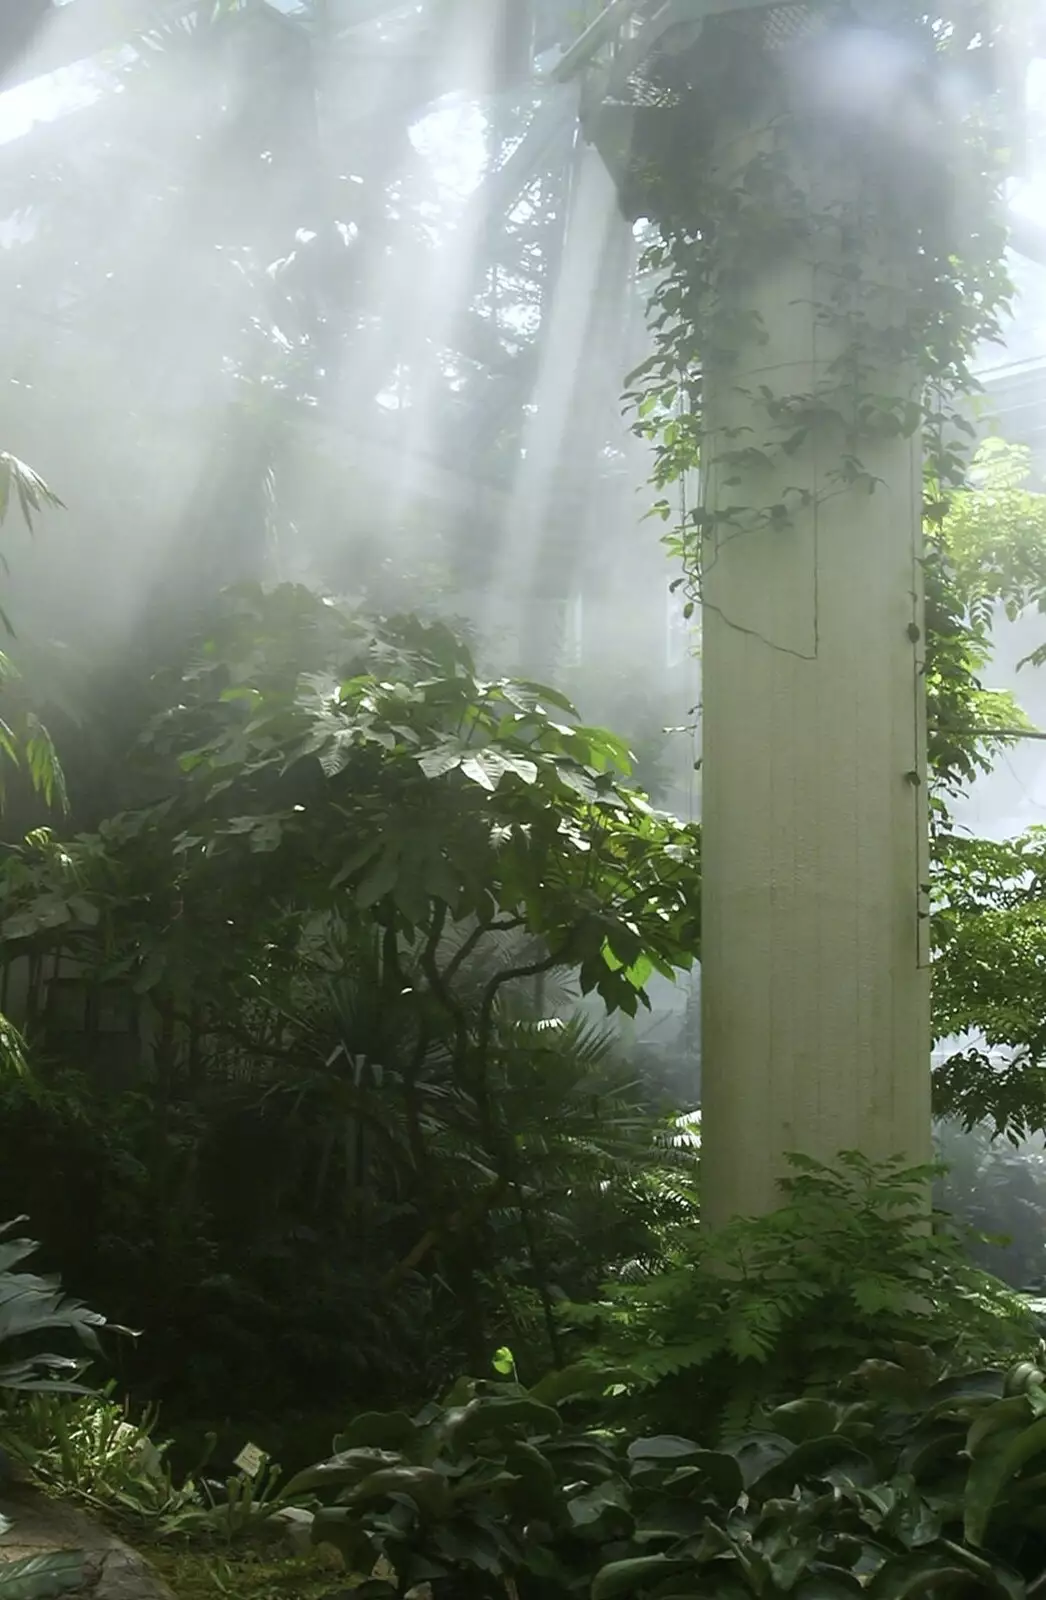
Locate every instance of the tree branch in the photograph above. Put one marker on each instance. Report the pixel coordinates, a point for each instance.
(993, 733)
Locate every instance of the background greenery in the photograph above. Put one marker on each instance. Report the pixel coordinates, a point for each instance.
(318, 931)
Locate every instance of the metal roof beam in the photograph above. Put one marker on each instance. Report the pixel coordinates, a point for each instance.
(38, 37)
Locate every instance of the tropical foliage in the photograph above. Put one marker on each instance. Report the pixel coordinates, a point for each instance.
(987, 559)
(318, 1087)
(33, 1310)
(318, 947)
(765, 1309)
(914, 1480)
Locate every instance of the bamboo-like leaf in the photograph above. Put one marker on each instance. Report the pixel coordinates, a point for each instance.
(28, 487)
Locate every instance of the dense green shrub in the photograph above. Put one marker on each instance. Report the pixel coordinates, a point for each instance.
(912, 1482)
(333, 1141)
(848, 1265)
(820, 1429)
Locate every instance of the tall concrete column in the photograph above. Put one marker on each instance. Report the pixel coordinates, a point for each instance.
(815, 981)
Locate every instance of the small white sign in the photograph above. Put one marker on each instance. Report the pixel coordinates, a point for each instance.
(250, 1460)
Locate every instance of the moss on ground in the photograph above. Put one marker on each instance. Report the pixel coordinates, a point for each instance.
(206, 1573)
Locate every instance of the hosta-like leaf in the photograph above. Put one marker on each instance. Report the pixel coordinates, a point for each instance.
(348, 1467)
(473, 1544)
(590, 1505)
(812, 1459)
(382, 1430)
(804, 1419)
(1001, 1457)
(337, 1526)
(714, 1471)
(429, 1490)
(37, 1577)
(913, 1576)
(1009, 1413)
(634, 1575)
(664, 1447)
(759, 1452)
(828, 1583)
(499, 1416)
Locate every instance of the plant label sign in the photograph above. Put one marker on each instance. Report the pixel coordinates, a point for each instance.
(250, 1460)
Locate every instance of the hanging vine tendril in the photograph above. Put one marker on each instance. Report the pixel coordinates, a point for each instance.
(925, 152)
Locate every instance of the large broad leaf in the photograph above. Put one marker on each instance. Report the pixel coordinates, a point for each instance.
(997, 1417)
(589, 1506)
(30, 1305)
(534, 1474)
(582, 1459)
(36, 1577)
(758, 1452)
(920, 1573)
(381, 1430)
(12, 1251)
(715, 1470)
(474, 1544)
(812, 1459)
(931, 1446)
(966, 1388)
(828, 1583)
(663, 1447)
(668, 1521)
(25, 1376)
(341, 1471)
(804, 1419)
(429, 1490)
(435, 763)
(640, 1572)
(379, 881)
(487, 768)
(499, 1416)
(340, 1527)
(529, 696)
(1001, 1457)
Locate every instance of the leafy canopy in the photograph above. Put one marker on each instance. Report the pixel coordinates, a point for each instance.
(317, 760)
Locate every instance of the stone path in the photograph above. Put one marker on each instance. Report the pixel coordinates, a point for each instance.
(113, 1570)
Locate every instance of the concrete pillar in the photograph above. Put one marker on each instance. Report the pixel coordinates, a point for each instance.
(815, 981)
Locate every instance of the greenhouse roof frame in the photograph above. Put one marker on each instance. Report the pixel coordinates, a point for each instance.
(25, 55)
